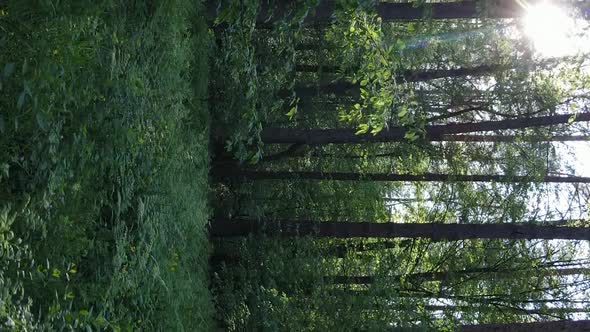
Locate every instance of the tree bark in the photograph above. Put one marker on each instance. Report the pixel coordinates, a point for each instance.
(344, 87)
(322, 13)
(515, 138)
(446, 275)
(420, 75)
(479, 299)
(396, 134)
(435, 231)
(426, 177)
(339, 88)
(312, 46)
(342, 250)
(293, 150)
(516, 310)
(296, 150)
(555, 326)
(404, 11)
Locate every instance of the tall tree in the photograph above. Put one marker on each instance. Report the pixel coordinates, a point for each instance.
(555, 326)
(516, 138)
(447, 275)
(559, 311)
(426, 177)
(398, 134)
(343, 87)
(435, 231)
(396, 11)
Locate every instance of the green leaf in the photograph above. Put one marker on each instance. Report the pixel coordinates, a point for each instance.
(400, 44)
(2, 125)
(25, 67)
(256, 157)
(364, 93)
(403, 112)
(411, 136)
(345, 116)
(21, 100)
(41, 120)
(377, 128)
(27, 88)
(223, 14)
(99, 320)
(572, 118)
(292, 112)
(5, 168)
(363, 128)
(8, 69)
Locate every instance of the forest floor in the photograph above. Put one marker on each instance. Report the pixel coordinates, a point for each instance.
(104, 155)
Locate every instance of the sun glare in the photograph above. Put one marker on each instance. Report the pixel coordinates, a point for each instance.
(554, 33)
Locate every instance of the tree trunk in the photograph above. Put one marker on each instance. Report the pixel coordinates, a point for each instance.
(555, 326)
(404, 11)
(312, 46)
(446, 275)
(419, 75)
(296, 150)
(342, 250)
(339, 88)
(322, 13)
(516, 310)
(426, 177)
(435, 231)
(316, 68)
(344, 87)
(515, 138)
(478, 299)
(397, 134)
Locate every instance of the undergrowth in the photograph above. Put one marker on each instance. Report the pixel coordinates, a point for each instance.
(103, 166)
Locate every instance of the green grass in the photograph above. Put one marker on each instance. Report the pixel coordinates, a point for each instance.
(104, 162)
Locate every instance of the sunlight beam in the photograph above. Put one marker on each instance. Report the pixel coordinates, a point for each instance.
(553, 32)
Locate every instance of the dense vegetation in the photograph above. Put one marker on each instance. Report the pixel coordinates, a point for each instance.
(104, 157)
(375, 166)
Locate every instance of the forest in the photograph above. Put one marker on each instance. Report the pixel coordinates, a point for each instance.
(295, 165)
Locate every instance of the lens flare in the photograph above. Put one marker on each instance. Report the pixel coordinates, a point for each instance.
(553, 32)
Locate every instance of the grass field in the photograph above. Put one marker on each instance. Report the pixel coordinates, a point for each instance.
(104, 162)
